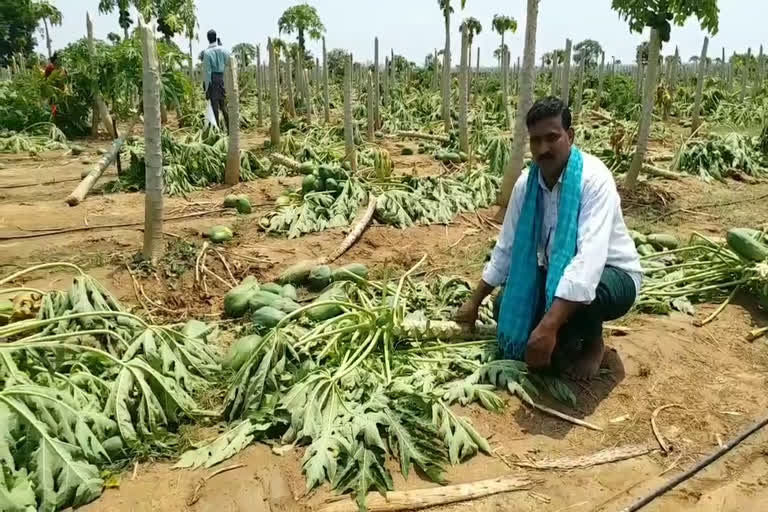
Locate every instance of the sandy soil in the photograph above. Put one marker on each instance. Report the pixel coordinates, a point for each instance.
(717, 378)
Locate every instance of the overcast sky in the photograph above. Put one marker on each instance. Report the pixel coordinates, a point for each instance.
(415, 27)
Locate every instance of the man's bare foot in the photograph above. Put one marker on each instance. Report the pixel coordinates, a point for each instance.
(587, 364)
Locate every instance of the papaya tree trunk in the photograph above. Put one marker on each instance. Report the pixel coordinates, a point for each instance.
(580, 90)
(675, 71)
(308, 96)
(553, 90)
(99, 105)
(153, 205)
(638, 72)
(515, 163)
(759, 75)
(647, 114)
(289, 86)
(565, 91)
(376, 84)
(191, 62)
(349, 138)
(469, 63)
(385, 84)
(435, 79)
(723, 67)
(601, 80)
(463, 97)
(369, 109)
(47, 38)
(731, 71)
(696, 122)
(232, 170)
(505, 88)
(745, 76)
(259, 89)
(447, 73)
(274, 98)
(477, 62)
(326, 99)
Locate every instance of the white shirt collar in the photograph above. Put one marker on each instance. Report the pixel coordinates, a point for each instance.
(213, 45)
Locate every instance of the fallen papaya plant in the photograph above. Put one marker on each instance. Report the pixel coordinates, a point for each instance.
(360, 375)
(84, 384)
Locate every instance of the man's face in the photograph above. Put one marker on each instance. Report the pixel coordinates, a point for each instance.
(550, 144)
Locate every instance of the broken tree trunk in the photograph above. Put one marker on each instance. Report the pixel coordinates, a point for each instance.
(652, 170)
(426, 136)
(281, 159)
(423, 498)
(355, 234)
(78, 195)
(98, 100)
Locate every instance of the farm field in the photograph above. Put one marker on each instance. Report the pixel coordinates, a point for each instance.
(262, 318)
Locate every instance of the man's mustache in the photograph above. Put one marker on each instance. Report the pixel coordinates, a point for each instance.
(546, 156)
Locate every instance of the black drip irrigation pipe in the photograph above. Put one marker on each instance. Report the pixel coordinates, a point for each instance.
(698, 467)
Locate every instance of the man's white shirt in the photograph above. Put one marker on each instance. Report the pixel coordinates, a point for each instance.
(603, 239)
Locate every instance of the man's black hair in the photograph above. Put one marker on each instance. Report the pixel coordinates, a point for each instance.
(547, 108)
(212, 36)
(54, 57)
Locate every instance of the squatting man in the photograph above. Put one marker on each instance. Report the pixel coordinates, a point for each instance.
(564, 258)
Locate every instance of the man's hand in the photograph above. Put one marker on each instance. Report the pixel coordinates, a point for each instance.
(541, 344)
(467, 313)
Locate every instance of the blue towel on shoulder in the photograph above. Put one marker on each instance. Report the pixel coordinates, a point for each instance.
(517, 317)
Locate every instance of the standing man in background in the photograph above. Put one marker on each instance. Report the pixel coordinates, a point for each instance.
(214, 61)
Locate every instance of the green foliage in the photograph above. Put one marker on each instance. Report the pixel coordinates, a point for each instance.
(123, 7)
(84, 385)
(640, 14)
(589, 50)
(302, 19)
(336, 61)
(473, 28)
(245, 53)
(116, 69)
(718, 157)
(17, 30)
(502, 24)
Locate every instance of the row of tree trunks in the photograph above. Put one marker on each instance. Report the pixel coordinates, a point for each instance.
(527, 79)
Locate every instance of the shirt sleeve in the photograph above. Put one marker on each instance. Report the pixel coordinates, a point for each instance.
(582, 275)
(496, 271)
